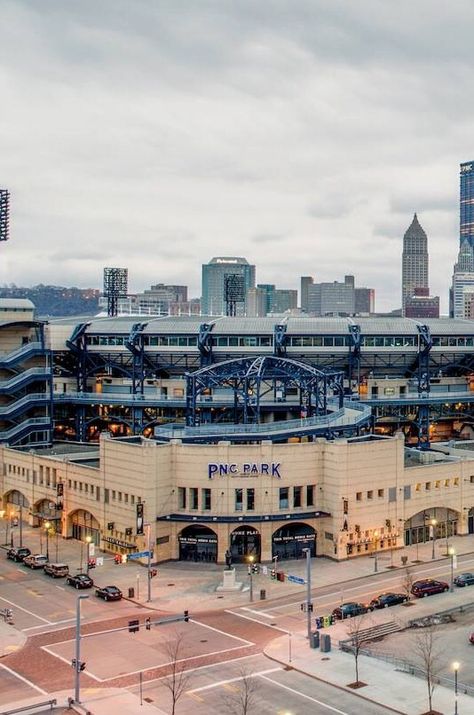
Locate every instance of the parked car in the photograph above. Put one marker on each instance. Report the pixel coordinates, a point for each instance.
(471, 638)
(18, 554)
(56, 570)
(35, 561)
(428, 587)
(348, 610)
(464, 579)
(80, 580)
(109, 593)
(384, 600)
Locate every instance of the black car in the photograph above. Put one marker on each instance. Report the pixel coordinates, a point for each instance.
(80, 580)
(348, 610)
(464, 579)
(384, 600)
(109, 593)
(18, 554)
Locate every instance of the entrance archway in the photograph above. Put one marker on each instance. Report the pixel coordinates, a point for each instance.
(245, 541)
(419, 528)
(45, 510)
(82, 523)
(289, 541)
(197, 543)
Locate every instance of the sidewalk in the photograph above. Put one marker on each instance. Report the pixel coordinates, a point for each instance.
(403, 693)
(97, 701)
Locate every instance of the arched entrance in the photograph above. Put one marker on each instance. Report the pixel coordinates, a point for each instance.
(81, 524)
(245, 542)
(45, 510)
(197, 543)
(419, 528)
(289, 541)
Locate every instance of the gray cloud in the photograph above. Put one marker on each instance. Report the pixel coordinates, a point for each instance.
(157, 135)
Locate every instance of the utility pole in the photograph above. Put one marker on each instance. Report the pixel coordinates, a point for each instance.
(77, 662)
(309, 604)
(148, 546)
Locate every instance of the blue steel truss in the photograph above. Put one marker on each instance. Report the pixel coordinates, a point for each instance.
(423, 379)
(250, 379)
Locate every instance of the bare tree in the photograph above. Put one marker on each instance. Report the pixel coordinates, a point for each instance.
(355, 631)
(427, 648)
(242, 699)
(407, 582)
(178, 678)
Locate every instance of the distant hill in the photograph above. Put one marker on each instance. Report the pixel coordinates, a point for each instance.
(56, 300)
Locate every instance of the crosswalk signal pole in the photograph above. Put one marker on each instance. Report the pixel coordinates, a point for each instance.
(77, 662)
(309, 605)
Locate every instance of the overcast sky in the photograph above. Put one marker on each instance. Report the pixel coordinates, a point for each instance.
(300, 134)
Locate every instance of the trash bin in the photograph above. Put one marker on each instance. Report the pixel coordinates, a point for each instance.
(263, 594)
(314, 639)
(131, 592)
(404, 560)
(325, 643)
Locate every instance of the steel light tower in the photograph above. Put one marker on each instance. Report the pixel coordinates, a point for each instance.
(115, 287)
(4, 215)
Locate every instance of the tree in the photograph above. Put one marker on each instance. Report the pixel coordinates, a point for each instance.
(178, 678)
(242, 700)
(427, 648)
(407, 582)
(356, 632)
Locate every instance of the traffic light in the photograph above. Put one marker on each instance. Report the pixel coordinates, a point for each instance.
(303, 607)
(273, 574)
(148, 624)
(186, 616)
(82, 666)
(134, 626)
(255, 568)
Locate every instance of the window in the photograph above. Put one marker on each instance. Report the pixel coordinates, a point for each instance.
(48, 479)
(181, 498)
(446, 482)
(392, 494)
(370, 494)
(194, 498)
(113, 494)
(106, 495)
(296, 497)
(310, 495)
(427, 486)
(41, 475)
(132, 498)
(437, 484)
(239, 499)
(250, 499)
(75, 484)
(417, 487)
(125, 498)
(92, 488)
(97, 493)
(407, 491)
(381, 493)
(456, 481)
(284, 491)
(206, 499)
(119, 496)
(86, 487)
(359, 496)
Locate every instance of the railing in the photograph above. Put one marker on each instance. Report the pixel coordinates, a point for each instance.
(32, 422)
(27, 708)
(24, 376)
(23, 401)
(19, 353)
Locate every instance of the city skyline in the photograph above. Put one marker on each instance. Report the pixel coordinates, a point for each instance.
(303, 140)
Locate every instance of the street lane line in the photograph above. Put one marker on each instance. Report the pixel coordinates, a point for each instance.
(222, 633)
(61, 588)
(40, 618)
(302, 695)
(232, 680)
(255, 620)
(65, 660)
(53, 623)
(24, 680)
(259, 613)
(180, 660)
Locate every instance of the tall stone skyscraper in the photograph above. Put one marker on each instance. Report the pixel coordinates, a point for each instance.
(414, 261)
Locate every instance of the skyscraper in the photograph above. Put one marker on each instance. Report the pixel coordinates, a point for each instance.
(214, 276)
(466, 207)
(414, 261)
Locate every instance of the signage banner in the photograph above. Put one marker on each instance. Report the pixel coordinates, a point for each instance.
(247, 469)
(117, 542)
(140, 520)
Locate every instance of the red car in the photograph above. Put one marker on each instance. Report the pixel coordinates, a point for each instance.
(471, 638)
(428, 587)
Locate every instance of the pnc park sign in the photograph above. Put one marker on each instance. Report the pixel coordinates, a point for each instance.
(247, 469)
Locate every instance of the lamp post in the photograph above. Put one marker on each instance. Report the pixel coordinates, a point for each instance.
(455, 667)
(77, 661)
(47, 526)
(250, 573)
(452, 556)
(376, 561)
(88, 542)
(433, 523)
(309, 604)
(2, 516)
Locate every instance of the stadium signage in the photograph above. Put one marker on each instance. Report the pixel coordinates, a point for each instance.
(247, 469)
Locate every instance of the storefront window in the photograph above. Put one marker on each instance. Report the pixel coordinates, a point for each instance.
(250, 499)
(284, 497)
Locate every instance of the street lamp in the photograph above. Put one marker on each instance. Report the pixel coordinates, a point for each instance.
(88, 542)
(433, 523)
(2, 516)
(47, 526)
(452, 555)
(376, 561)
(251, 559)
(455, 667)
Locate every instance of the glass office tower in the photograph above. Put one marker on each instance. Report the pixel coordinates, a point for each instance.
(466, 222)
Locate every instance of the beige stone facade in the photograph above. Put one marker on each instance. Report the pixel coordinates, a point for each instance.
(340, 498)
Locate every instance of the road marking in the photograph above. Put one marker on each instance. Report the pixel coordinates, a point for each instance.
(233, 680)
(302, 695)
(61, 588)
(259, 613)
(65, 660)
(255, 620)
(25, 680)
(52, 623)
(40, 618)
(222, 633)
